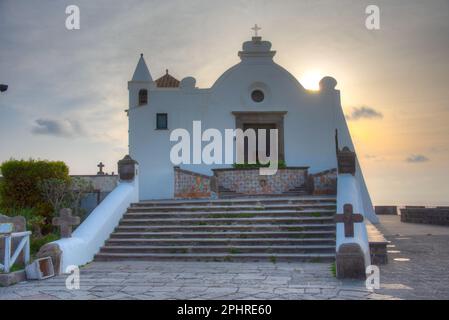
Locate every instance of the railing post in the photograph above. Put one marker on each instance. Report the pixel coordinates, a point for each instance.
(7, 253)
(26, 251)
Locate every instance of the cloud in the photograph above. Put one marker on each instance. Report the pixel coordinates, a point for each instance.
(364, 113)
(59, 128)
(417, 158)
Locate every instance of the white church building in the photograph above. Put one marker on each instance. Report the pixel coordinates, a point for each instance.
(255, 93)
(319, 166)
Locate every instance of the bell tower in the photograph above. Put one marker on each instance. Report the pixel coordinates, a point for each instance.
(140, 85)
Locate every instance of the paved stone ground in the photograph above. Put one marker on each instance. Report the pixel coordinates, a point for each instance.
(422, 253)
(423, 276)
(196, 280)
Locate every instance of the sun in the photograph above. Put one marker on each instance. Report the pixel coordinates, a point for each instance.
(310, 80)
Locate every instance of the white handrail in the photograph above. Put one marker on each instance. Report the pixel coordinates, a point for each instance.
(24, 245)
(349, 192)
(88, 238)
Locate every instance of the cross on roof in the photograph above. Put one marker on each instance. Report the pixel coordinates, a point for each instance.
(256, 28)
(101, 166)
(65, 221)
(348, 218)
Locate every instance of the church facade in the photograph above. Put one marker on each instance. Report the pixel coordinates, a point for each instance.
(318, 189)
(255, 93)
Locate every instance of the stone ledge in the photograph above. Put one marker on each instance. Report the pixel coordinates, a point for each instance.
(242, 169)
(9, 279)
(433, 216)
(386, 210)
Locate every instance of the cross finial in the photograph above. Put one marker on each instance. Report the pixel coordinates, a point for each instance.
(101, 166)
(256, 28)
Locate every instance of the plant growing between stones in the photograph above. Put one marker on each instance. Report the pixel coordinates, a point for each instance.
(233, 251)
(333, 269)
(295, 229)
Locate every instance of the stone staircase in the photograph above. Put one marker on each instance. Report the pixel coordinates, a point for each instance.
(242, 229)
(225, 193)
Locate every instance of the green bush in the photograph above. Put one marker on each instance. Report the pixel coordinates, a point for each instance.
(34, 222)
(37, 243)
(65, 193)
(19, 188)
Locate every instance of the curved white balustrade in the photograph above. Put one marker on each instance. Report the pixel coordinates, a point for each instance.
(88, 238)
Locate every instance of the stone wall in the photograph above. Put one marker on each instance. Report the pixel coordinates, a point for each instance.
(323, 183)
(102, 185)
(189, 184)
(436, 216)
(386, 210)
(248, 181)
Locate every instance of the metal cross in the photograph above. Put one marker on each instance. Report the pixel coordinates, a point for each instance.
(101, 166)
(256, 28)
(348, 218)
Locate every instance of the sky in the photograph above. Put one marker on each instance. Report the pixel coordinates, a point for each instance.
(68, 89)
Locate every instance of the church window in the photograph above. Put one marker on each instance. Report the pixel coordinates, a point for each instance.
(257, 95)
(161, 121)
(143, 97)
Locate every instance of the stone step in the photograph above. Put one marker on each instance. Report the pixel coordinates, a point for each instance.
(224, 228)
(224, 221)
(228, 195)
(238, 201)
(294, 193)
(231, 214)
(276, 207)
(328, 234)
(218, 241)
(297, 257)
(220, 249)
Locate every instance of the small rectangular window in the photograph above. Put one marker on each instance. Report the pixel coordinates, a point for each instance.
(161, 121)
(143, 97)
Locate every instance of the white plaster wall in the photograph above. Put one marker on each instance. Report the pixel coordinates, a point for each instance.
(309, 125)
